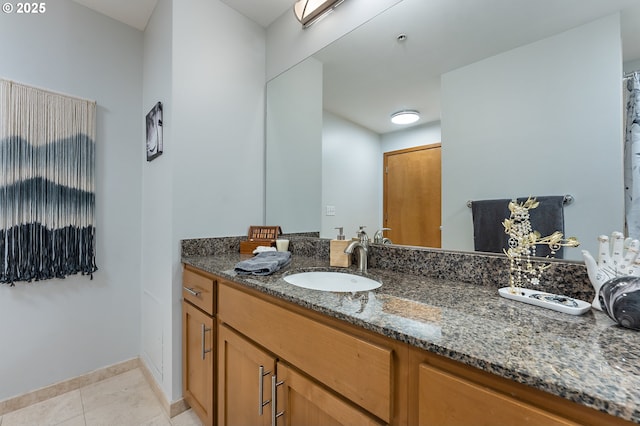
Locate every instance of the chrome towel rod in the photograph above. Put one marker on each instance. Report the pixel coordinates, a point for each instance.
(568, 199)
(630, 74)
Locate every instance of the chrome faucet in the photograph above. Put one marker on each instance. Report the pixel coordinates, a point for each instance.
(362, 244)
(379, 237)
(362, 255)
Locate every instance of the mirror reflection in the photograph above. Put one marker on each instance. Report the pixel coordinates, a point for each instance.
(517, 99)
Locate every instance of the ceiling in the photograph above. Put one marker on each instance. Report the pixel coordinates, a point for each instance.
(264, 12)
(368, 74)
(441, 35)
(136, 13)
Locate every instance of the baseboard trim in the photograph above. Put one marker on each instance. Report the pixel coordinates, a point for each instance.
(42, 394)
(172, 409)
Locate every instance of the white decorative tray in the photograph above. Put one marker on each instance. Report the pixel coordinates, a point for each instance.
(555, 302)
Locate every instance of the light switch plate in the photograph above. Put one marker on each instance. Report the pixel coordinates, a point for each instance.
(331, 211)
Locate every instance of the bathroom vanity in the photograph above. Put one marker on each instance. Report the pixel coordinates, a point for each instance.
(416, 351)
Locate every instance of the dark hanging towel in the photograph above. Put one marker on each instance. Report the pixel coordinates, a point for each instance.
(547, 218)
(488, 232)
(47, 184)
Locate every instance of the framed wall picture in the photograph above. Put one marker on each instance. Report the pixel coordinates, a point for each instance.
(154, 132)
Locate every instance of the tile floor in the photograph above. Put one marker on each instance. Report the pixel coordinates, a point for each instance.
(122, 400)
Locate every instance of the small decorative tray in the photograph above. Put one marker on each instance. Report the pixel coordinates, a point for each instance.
(555, 302)
(260, 236)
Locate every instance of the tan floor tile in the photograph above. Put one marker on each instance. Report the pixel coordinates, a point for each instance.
(186, 418)
(50, 412)
(112, 390)
(134, 413)
(161, 420)
(124, 400)
(75, 421)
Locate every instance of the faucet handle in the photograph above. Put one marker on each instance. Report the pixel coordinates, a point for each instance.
(364, 238)
(378, 237)
(361, 232)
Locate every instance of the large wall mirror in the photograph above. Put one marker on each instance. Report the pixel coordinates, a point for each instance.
(524, 98)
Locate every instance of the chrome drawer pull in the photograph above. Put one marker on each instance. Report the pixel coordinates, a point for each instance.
(203, 330)
(192, 291)
(261, 401)
(274, 397)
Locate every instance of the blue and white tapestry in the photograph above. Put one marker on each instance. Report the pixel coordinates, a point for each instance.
(47, 184)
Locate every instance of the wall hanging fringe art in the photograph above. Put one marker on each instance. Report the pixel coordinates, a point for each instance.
(47, 189)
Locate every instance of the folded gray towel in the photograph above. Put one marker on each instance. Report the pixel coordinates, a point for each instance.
(264, 263)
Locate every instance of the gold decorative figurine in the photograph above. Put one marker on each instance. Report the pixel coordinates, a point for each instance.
(522, 245)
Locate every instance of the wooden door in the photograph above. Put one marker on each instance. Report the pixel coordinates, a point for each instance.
(198, 338)
(244, 383)
(412, 195)
(304, 402)
(446, 399)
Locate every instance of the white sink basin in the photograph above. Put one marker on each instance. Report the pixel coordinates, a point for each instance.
(332, 281)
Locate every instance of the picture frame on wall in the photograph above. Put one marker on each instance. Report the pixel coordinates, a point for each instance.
(154, 132)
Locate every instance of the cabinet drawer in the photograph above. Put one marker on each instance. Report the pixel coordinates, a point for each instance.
(199, 290)
(445, 399)
(352, 367)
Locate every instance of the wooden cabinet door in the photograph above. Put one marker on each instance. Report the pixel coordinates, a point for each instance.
(446, 399)
(198, 339)
(304, 402)
(353, 367)
(244, 383)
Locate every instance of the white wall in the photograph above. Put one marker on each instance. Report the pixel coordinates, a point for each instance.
(543, 119)
(57, 329)
(631, 66)
(351, 177)
(217, 148)
(288, 43)
(424, 134)
(157, 207)
(294, 149)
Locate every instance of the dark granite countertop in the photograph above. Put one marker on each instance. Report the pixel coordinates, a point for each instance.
(587, 359)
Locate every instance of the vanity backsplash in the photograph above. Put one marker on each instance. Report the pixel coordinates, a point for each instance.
(563, 277)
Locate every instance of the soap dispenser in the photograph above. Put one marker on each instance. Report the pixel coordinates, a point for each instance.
(337, 256)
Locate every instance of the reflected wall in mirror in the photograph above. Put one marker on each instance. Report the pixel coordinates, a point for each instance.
(294, 163)
(525, 98)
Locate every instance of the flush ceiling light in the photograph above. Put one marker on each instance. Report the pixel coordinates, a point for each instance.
(405, 117)
(310, 11)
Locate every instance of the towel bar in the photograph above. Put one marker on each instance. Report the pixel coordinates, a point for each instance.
(568, 199)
